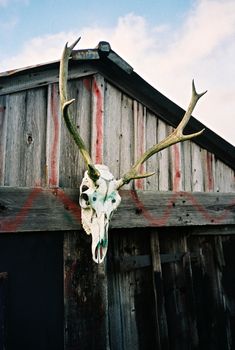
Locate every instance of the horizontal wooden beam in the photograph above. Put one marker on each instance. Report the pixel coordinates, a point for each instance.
(37, 209)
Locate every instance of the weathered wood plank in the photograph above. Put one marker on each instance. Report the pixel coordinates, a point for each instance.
(53, 133)
(225, 177)
(126, 138)
(161, 320)
(25, 163)
(28, 80)
(97, 119)
(112, 128)
(15, 113)
(36, 209)
(176, 167)
(139, 140)
(152, 163)
(211, 315)
(175, 291)
(197, 169)
(209, 165)
(131, 298)
(162, 132)
(187, 166)
(85, 290)
(3, 133)
(72, 164)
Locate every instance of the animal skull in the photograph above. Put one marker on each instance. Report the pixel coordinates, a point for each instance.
(99, 190)
(98, 200)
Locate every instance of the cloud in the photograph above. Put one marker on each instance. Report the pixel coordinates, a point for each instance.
(3, 3)
(203, 47)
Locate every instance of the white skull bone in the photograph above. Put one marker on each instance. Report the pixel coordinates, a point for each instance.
(98, 200)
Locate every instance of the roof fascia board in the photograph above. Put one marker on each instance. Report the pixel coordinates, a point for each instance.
(32, 78)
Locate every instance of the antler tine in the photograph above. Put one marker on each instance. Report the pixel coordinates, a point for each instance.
(65, 103)
(175, 137)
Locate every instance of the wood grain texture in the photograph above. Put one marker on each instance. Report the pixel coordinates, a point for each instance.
(3, 133)
(131, 297)
(164, 178)
(72, 165)
(24, 209)
(25, 163)
(104, 115)
(112, 128)
(27, 80)
(97, 119)
(152, 163)
(126, 143)
(187, 166)
(85, 289)
(139, 140)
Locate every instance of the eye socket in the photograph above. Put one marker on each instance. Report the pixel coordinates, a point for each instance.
(85, 188)
(85, 197)
(113, 200)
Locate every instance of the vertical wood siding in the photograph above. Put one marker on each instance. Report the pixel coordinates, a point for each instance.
(184, 302)
(36, 148)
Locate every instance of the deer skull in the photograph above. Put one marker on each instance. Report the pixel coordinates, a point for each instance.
(99, 190)
(98, 200)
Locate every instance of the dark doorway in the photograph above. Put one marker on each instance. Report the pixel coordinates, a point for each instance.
(34, 314)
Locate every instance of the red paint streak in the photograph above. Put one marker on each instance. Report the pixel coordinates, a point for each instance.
(2, 109)
(147, 215)
(139, 184)
(69, 204)
(87, 83)
(177, 173)
(204, 212)
(11, 225)
(99, 124)
(53, 171)
(209, 172)
(162, 221)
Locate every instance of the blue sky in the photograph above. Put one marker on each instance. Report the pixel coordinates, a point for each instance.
(23, 19)
(167, 42)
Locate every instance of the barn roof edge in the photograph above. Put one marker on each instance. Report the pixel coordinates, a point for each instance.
(116, 70)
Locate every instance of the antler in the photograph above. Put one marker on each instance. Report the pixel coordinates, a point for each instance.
(65, 103)
(175, 137)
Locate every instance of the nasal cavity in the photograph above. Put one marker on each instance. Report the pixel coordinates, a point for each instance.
(85, 188)
(84, 196)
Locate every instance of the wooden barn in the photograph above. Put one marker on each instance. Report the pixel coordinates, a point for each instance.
(168, 281)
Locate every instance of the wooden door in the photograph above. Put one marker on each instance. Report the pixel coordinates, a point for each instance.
(34, 262)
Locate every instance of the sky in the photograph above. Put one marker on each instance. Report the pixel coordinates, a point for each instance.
(167, 42)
